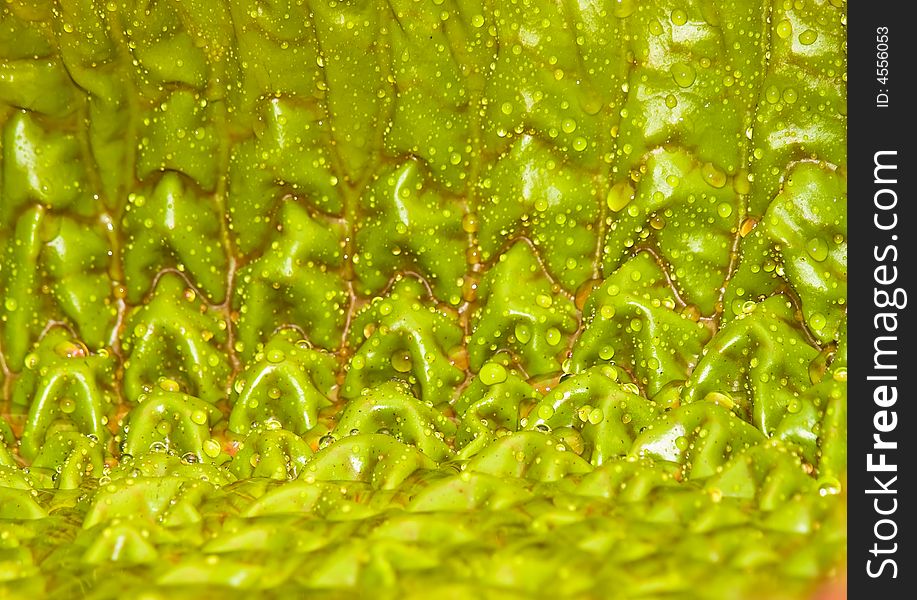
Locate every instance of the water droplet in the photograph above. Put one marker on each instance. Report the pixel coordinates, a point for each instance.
(552, 336)
(720, 398)
(817, 249)
(69, 349)
(470, 223)
(748, 224)
(808, 37)
(683, 74)
(623, 8)
(713, 176)
(817, 321)
(211, 448)
(168, 385)
(523, 333)
(784, 29)
(679, 17)
(492, 373)
(829, 486)
(620, 195)
(401, 361)
(772, 94)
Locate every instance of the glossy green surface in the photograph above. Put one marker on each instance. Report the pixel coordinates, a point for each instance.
(422, 298)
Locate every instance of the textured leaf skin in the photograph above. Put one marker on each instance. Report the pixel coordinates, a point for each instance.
(421, 298)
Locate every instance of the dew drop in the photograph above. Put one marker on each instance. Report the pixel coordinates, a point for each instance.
(829, 486)
(817, 249)
(492, 373)
(552, 336)
(523, 333)
(623, 8)
(683, 74)
(817, 321)
(401, 361)
(784, 29)
(211, 448)
(620, 196)
(713, 176)
(808, 37)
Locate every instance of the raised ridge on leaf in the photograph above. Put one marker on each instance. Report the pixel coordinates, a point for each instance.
(293, 282)
(390, 407)
(287, 383)
(608, 414)
(801, 241)
(172, 422)
(531, 191)
(520, 311)
(172, 225)
(778, 360)
(406, 226)
(275, 453)
(688, 212)
(377, 459)
(701, 437)
(403, 336)
(176, 337)
(56, 270)
(64, 385)
(491, 408)
(634, 319)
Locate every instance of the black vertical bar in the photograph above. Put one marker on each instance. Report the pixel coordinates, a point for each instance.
(881, 58)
